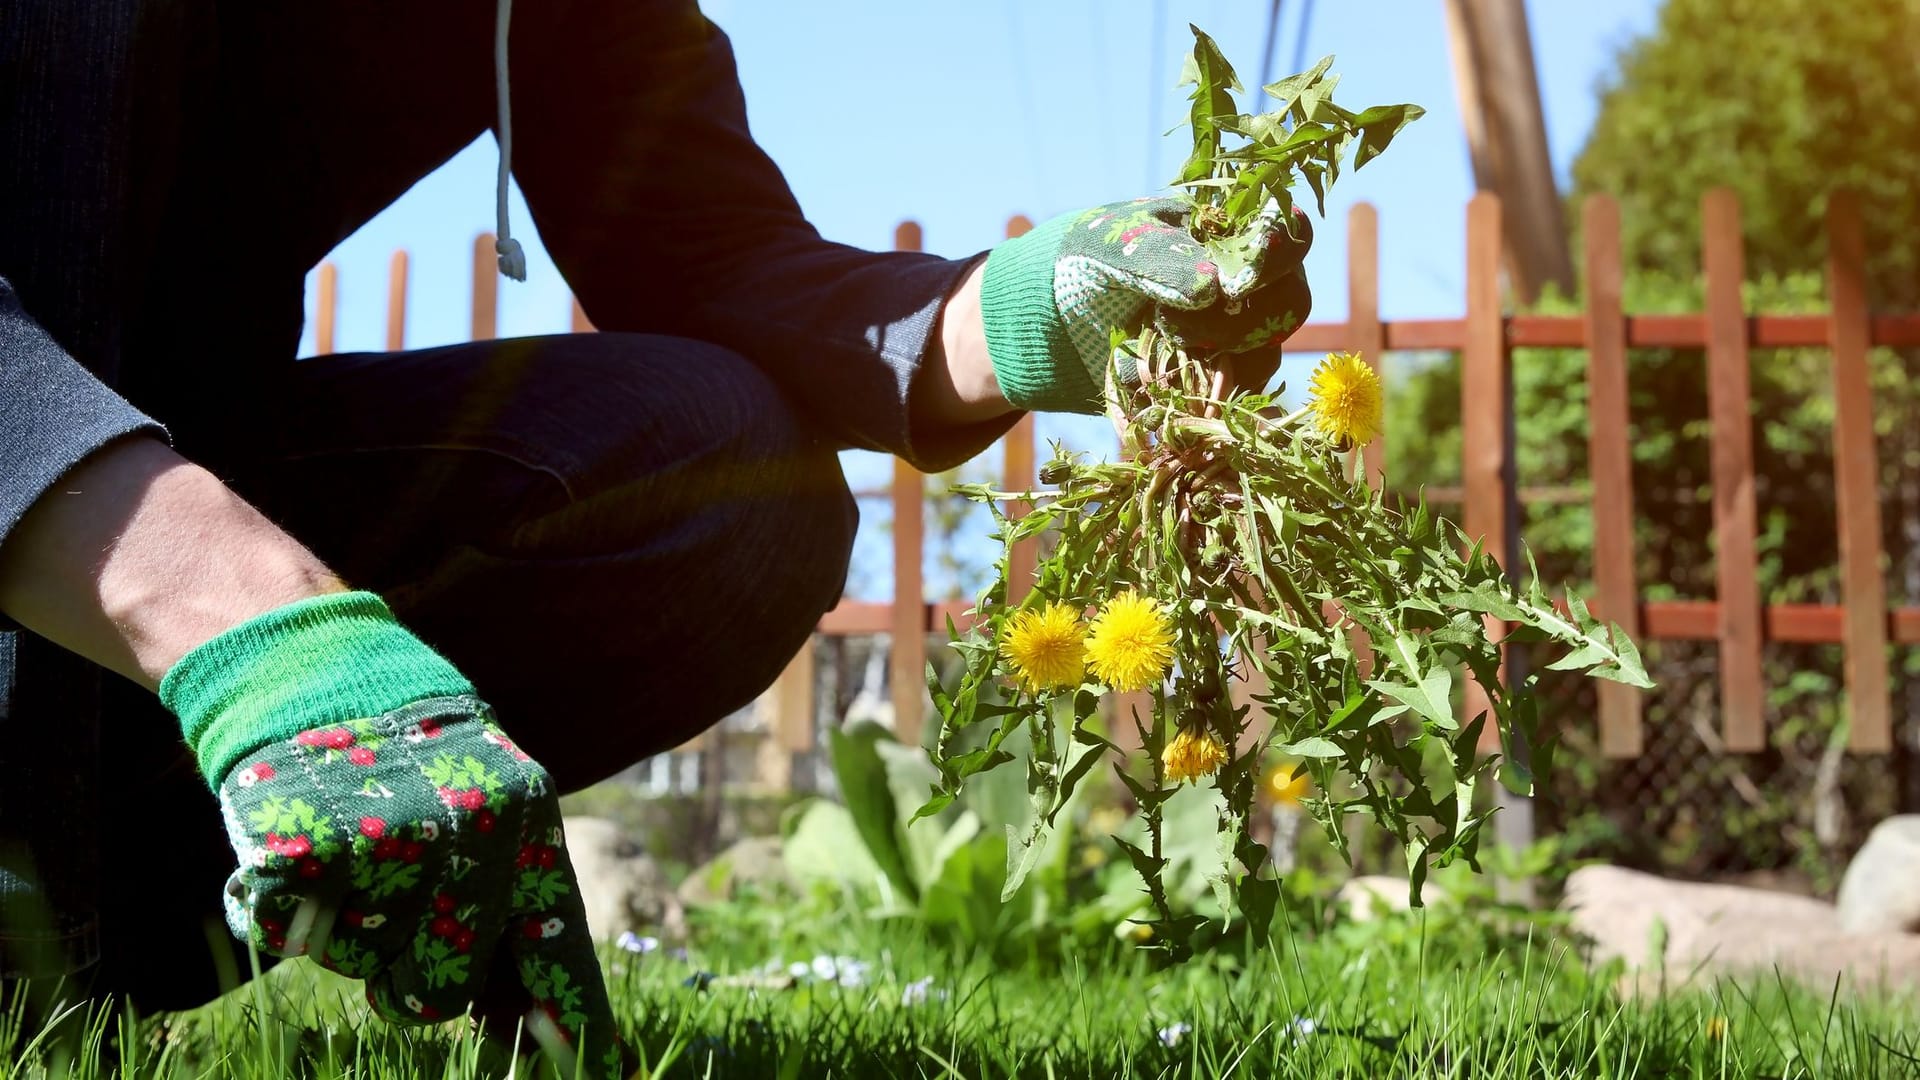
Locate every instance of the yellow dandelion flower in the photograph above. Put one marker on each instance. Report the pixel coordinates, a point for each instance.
(1346, 398)
(1192, 755)
(1283, 787)
(1047, 649)
(1131, 646)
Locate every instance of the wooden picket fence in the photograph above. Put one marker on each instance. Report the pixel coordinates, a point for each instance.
(1485, 338)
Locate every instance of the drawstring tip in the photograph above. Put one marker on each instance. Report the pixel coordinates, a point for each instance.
(513, 261)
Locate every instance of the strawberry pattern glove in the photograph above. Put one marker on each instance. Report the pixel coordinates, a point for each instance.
(418, 842)
(402, 848)
(1052, 298)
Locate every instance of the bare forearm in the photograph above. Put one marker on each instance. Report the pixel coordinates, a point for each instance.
(138, 555)
(963, 389)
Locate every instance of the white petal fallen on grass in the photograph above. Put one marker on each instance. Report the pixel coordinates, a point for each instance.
(634, 943)
(919, 991)
(844, 970)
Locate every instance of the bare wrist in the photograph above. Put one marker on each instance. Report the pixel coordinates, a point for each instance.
(137, 556)
(963, 389)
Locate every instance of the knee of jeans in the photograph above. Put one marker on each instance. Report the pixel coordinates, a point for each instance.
(797, 530)
(676, 435)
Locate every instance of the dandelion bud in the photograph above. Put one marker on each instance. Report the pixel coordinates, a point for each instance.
(1213, 557)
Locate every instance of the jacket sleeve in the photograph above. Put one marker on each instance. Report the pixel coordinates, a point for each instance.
(53, 412)
(631, 145)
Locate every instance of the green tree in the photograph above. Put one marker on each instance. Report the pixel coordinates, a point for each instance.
(1785, 101)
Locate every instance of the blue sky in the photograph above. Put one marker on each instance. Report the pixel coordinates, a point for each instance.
(960, 115)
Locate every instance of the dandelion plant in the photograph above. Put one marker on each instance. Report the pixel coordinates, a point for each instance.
(1233, 542)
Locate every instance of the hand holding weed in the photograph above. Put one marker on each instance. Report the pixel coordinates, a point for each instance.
(1053, 298)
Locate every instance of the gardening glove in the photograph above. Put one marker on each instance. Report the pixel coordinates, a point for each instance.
(1051, 298)
(385, 825)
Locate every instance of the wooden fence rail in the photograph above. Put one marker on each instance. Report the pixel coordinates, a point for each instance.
(1485, 339)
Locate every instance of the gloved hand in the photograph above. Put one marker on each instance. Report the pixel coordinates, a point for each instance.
(1051, 298)
(384, 825)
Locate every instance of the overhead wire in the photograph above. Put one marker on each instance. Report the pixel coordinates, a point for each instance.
(1273, 39)
(1029, 115)
(1102, 102)
(1300, 37)
(1156, 92)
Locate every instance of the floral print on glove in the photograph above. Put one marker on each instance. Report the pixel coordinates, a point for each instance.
(405, 850)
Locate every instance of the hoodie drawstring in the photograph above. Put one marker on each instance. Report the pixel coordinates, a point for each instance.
(513, 261)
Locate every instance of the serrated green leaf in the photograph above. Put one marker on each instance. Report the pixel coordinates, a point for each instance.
(1431, 698)
(1313, 746)
(1378, 126)
(1288, 90)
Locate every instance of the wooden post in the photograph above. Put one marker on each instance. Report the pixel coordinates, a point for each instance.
(397, 302)
(1499, 94)
(325, 308)
(1856, 482)
(794, 696)
(1365, 334)
(908, 661)
(1486, 388)
(1610, 465)
(1124, 734)
(789, 723)
(486, 290)
(1487, 478)
(1017, 474)
(1729, 406)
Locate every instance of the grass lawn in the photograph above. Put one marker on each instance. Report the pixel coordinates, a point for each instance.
(1411, 996)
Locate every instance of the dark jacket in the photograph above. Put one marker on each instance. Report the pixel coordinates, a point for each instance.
(171, 169)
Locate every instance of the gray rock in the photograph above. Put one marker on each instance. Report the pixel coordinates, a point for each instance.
(754, 862)
(1365, 896)
(1690, 932)
(1880, 893)
(621, 887)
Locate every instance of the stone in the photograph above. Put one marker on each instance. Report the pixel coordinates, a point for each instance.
(1881, 890)
(1364, 897)
(1689, 932)
(753, 862)
(621, 887)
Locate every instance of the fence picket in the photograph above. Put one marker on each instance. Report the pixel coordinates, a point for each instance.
(1016, 474)
(1365, 334)
(486, 290)
(907, 662)
(1729, 407)
(1486, 389)
(793, 701)
(397, 302)
(325, 308)
(1856, 483)
(1610, 465)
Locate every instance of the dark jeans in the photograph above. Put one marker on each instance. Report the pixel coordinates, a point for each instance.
(619, 538)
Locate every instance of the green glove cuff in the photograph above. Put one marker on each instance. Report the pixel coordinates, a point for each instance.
(1033, 359)
(315, 662)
